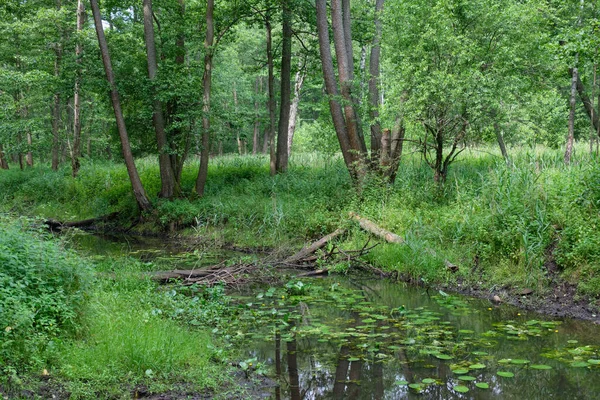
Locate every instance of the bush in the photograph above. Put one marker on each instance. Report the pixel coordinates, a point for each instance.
(42, 290)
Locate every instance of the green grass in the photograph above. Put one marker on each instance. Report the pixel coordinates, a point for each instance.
(498, 223)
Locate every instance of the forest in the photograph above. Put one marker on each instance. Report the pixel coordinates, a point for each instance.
(313, 199)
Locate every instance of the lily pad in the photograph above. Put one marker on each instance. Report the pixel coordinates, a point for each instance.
(443, 356)
(460, 371)
(579, 364)
(593, 361)
(428, 381)
(415, 386)
(504, 361)
(461, 389)
(351, 359)
(466, 378)
(540, 366)
(477, 366)
(401, 383)
(482, 385)
(505, 374)
(480, 353)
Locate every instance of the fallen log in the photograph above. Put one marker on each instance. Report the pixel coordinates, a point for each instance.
(391, 237)
(376, 230)
(57, 226)
(184, 274)
(319, 244)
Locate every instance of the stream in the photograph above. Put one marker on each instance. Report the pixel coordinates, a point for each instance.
(352, 337)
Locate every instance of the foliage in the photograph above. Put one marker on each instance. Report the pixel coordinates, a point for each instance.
(43, 289)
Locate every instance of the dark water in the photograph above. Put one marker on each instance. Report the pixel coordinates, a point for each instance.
(335, 351)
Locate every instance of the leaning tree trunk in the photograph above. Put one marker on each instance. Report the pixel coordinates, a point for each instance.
(164, 160)
(76, 150)
(571, 134)
(136, 184)
(331, 88)
(374, 85)
(206, 84)
(281, 162)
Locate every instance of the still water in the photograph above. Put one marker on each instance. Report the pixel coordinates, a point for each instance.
(358, 338)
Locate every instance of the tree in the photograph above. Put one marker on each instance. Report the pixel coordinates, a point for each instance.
(281, 163)
(136, 184)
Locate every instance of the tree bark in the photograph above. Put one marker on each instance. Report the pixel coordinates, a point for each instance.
(331, 88)
(76, 150)
(281, 162)
(588, 104)
(571, 133)
(3, 162)
(29, 155)
(164, 160)
(271, 87)
(136, 183)
(256, 133)
(374, 62)
(206, 85)
(343, 50)
(299, 81)
(56, 108)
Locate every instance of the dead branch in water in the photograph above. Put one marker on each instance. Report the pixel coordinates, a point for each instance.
(57, 226)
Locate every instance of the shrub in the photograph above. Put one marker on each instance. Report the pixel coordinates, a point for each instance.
(42, 290)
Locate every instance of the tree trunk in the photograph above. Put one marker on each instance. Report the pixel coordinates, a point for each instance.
(281, 162)
(300, 75)
(593, 128)
(571, 134)
(76, 150)
(374, 85)
(343, 50)
(256, 133)
(500, 140)
(3, 162)
(331, 88)
(29, 156)
(136, 183)
(588, 104)
(271, 87)
(164, 160)
(206, 84)
(56, 108)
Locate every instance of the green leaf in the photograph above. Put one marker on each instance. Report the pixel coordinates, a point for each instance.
(443, 357)
(428, 381)
(519, 361)
(401, 383)
(482, 385)
(415, 386)
(461, 389)
(466, 378)
(580, 364)
(505, 374)
(477, 366)
(593, 361)
(540, 366)
(460, 371)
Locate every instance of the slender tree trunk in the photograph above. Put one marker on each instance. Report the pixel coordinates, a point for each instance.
(56, 108)
(337, 115)
(76, 150)
(271, 87)
(256, 133)
(343, 50)
(588, 104)
(29, 155)
(206, 84)
(571, 134)
(281, 163)
(374, 84)
(3, 162)
(500, 140)
(593, 128)
(299, 81)
(136, 183)
(164, 160)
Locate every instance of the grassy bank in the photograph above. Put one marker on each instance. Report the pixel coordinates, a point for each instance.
(502, 225)
(78, 329)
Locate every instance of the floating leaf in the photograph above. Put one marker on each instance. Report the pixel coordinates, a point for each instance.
(593, 362)
(540, 366)
(461, 389)
(428, 381)
(477, 366)
(354, 359)
(579, 364)
(401, 383)
(466, 378)
(482, 385)
(443, 357)
(505, 374)
(415, 386)
(504, 361)
(480, 353)
(466, 331)
(460, 371)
